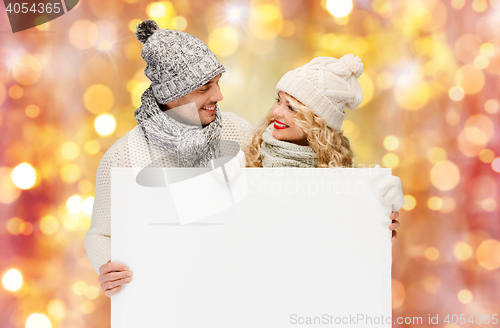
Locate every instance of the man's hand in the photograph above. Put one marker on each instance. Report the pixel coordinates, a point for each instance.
(394, 225)
(112, 277)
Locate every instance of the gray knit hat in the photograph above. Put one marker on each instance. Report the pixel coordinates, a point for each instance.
(326, 85)
(178, 63)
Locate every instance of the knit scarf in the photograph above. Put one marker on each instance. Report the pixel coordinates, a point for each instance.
(278, 153)
(194, 146)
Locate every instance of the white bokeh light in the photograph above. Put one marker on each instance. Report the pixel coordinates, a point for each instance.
(105, 124)
(12, 280)
(157, 10)
(339, 8)
(234, 14)
(37, 320)
(24, 176)
(74, 204)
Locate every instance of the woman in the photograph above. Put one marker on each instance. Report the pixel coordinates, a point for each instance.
(303, 128)
(293, 136)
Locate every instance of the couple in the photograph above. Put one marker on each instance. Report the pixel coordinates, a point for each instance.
(302, 129)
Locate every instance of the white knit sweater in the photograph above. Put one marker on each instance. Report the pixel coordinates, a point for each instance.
(133, 150)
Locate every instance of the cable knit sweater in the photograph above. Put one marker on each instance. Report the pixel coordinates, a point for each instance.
(133, 150)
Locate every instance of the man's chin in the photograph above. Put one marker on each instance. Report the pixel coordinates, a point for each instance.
(206, 118)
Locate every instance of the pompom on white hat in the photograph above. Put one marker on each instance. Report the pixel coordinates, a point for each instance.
(326, 85)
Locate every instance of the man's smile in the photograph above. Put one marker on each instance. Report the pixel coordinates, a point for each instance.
(210, 109)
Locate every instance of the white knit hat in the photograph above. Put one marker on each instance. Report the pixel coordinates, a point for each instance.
(326, 85)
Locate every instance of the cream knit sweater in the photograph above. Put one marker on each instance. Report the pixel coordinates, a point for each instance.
(133, 150)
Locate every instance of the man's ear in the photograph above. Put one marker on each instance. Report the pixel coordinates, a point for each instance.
(162, 107)
(167, 106)
(171, 104)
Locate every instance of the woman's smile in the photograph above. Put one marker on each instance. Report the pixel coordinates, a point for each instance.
(279, 125)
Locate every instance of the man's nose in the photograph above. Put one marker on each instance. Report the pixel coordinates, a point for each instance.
(217, 94)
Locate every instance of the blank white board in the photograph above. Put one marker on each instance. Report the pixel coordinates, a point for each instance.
(275, 247)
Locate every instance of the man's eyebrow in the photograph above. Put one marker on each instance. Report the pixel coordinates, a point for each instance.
(205, 85)
(209, 82)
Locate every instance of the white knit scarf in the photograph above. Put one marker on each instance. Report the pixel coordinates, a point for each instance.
(278, 153)
(194, 146)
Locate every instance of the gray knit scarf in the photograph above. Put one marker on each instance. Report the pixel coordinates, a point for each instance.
(194, 146)
(278, 153)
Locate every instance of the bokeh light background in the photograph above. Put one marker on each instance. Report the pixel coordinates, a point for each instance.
(69, 88)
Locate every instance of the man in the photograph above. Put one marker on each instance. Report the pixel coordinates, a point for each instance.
(184, 76)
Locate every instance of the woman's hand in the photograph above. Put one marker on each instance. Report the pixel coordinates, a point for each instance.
(112, 277)
(394, 225)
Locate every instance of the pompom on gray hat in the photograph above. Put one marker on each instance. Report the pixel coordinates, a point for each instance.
(177, 62)
(326, 85)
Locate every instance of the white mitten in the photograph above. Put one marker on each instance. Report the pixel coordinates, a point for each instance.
(241, 157)
(232, 167)
(389, 190)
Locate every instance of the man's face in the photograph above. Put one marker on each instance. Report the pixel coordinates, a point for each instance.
(198, 106)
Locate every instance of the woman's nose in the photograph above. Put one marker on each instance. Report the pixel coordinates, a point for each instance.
(277, 111)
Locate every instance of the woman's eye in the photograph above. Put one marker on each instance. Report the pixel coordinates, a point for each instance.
(291, 108)
(278, 100)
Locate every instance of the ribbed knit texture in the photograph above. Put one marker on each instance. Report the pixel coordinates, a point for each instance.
(326, 85)
(279, 153)
(132, 150)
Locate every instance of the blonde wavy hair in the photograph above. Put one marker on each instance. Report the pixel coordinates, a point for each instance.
(332, 148)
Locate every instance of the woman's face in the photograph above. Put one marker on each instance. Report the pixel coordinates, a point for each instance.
(284, 127)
